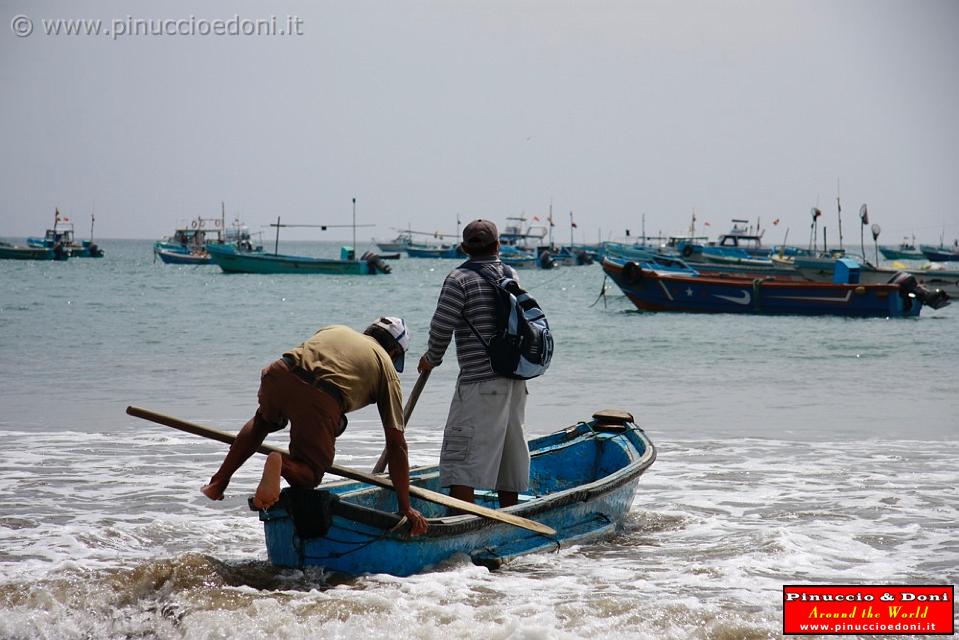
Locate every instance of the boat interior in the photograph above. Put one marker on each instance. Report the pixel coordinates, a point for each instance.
(564, 460)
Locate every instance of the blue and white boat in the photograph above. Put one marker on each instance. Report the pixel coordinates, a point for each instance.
(905, 251)
(62, 240)
(658, 290)
(582, 482)
(10, 251)
(188, 244)
(941, 253)
(232, 260)
(435, 251)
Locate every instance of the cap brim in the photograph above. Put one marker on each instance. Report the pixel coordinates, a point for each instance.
(398, 362)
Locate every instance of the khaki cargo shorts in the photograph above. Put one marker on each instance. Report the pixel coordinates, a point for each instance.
(484, 444)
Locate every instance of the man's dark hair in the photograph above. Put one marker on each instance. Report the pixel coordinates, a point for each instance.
(480, 252)
(382, 336)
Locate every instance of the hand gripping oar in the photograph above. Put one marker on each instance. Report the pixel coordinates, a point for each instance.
(407, 412)
(353, 474)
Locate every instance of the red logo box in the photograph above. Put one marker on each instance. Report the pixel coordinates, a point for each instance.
(893, 609)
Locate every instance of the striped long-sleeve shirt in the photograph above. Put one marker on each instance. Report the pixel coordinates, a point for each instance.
(467, 292)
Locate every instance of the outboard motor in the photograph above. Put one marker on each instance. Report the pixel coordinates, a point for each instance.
(376, 263)
(546, 260)
(910, 287)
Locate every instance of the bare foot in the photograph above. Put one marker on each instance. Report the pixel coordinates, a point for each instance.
(213, 491)
(268, 491)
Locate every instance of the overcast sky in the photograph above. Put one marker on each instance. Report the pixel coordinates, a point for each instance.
(428, 110)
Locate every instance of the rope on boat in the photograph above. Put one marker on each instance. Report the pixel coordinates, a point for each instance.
(358, 545)
(602, 293)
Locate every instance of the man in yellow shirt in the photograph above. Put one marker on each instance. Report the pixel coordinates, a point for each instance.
(312, 387)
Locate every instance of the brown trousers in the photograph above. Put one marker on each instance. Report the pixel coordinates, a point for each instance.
(313, 414)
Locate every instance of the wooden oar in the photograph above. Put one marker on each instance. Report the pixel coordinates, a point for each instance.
(407, 412)
(379, 481)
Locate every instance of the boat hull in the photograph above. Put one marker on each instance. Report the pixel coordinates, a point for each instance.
(176, 257)
(579, 505)
(654, 291)
(11, 252)
(445, 252)
(232, 261)
(940, 254)
(945, 280)
(890, 253)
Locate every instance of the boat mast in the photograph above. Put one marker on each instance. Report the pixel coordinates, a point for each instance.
(551, 226)
(570, 230)
(354, 228)
(839, 214)
(276, 247)
(92, 219)
(864, 220)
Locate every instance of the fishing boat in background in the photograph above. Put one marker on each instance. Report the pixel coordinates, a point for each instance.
(516, 233)
(233, 260)
(931, 275)
(905, 251)
(658, 290)
(398, 244)
(168, 256)
(189, 244)
(439, 247)
(62, 234)
(10, 251)
(747, 269)
(435, 251)
(941, 253)
(582, 483)
(741, 245)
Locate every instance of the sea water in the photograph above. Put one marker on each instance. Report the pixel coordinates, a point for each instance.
(791, 450)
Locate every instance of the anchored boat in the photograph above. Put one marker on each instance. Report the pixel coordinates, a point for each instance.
(61, 240)
(19, 252)
(661, 290)
(582, 482)
(233, 260)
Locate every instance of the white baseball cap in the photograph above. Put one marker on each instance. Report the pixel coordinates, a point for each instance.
(396, 328)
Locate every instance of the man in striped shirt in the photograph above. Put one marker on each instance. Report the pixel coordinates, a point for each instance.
(484, 444)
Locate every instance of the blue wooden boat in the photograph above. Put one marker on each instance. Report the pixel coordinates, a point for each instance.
(642, 254)
(231, 260)
(582, 482)
(63, 234)
(658, 290)
(19, 252)
(174, 256)
(905, 251)
(398, 244)
(431, 251)
(190, 241)
(941, 253)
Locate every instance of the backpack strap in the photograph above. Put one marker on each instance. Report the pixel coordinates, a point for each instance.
(478, 268)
